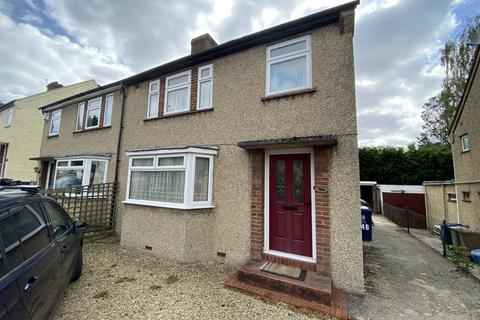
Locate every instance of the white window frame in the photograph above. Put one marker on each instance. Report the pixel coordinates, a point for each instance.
(89, 108)
(80, 115)
(9, 117)
(177, 87)
(462, 140)
(87, 165)
(107, 110)
(285, 57)
(205, 79)
(150, 93)
(189, 154)
(56, 115)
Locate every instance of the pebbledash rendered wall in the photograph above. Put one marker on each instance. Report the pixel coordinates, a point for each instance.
(240, 114)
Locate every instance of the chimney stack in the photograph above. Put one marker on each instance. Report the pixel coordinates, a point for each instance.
(202, 43)
(53, 85)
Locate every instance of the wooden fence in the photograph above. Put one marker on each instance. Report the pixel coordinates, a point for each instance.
(404, 217)
(94, 204)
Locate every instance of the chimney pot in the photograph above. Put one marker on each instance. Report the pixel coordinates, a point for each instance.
(201, 43)
(53, 85)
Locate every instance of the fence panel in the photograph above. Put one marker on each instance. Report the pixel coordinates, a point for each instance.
(94, 204)
(403, 217)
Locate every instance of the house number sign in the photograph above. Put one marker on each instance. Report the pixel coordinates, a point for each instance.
(320, 189)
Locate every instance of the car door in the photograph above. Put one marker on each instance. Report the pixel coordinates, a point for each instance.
(62, 227)
(39, 277)
(11, 258)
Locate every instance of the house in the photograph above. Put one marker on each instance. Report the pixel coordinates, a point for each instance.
(21, 126)
(459, 200)
(242, 150)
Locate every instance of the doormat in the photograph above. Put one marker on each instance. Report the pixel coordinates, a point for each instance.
(283, 270)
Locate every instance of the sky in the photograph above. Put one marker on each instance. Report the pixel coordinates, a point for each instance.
(396, 46)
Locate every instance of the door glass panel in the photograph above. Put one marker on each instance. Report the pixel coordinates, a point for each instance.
(61, 222)
(280, 180)
(298, 180)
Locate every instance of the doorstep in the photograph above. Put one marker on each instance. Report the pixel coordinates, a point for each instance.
(314, 293)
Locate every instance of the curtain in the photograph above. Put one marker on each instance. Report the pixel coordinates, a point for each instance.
(97, 172)
(200, 190)
(177, 100)
(205, 94)
(162, 186)
(153, 107)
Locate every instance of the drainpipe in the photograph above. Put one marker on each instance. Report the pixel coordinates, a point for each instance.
(117, 160)
(120, 131)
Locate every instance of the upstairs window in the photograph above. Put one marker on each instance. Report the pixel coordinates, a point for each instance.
(452, 197)
(205, 86)
(465, 143)
(173, 179)
(466, 196)
(93, 113)
(55, 123)
(80, 115)
(9, 117)
(107, 117)
(177, 93)
(153, 94)
(289, 66)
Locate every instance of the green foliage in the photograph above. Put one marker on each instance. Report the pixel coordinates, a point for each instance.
(390, 165)
(456, 58)
(460, 256)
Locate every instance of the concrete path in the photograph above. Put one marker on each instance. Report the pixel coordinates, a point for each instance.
(405, 279)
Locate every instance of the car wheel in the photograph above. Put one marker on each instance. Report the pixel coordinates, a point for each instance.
(78, 267)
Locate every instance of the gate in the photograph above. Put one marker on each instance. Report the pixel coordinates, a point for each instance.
(94, 204)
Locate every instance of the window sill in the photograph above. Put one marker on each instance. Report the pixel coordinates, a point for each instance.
(288, 94)
(52, 136)
(452, 201)
(465, 151)
(468, 201)
(92, 129)
(169, 206)
(178, 114)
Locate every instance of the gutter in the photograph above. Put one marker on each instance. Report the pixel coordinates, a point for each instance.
(82, 97)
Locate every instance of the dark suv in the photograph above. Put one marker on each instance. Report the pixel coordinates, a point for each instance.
(40, 253)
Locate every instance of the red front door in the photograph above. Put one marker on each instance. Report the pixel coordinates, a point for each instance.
(290, 216)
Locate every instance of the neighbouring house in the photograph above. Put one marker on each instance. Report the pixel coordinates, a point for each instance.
(459, 200)
(242, 150)
(21, 126)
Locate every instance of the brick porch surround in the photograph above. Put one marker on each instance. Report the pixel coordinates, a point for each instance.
(315, 292)
(322, 215)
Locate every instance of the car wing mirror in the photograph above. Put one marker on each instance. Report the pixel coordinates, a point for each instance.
(80, 225)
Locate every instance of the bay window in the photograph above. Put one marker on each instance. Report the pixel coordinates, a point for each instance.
(289, 66)
(74, 173)
(177, 93)
(180, 178)
(205, 86)
(93, 113)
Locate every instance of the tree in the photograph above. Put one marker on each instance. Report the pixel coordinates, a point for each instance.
(456, 58)
(414, 165)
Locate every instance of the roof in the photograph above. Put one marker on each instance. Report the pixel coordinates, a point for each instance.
(466, 91)
(46, 93)
(286, 142)
(278, 32)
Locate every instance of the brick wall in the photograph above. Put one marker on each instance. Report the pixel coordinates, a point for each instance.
(258, 165)
(322, 214)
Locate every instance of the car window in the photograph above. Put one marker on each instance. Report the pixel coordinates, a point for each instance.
(61, 222)
(13, 249)
(31, 229)
(3, 269)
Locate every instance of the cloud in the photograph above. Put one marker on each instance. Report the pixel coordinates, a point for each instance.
(396, 46)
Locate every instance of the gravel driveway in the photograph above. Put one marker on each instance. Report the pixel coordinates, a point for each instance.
(122, 284)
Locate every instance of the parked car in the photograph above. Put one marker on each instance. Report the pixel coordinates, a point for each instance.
(40, 253)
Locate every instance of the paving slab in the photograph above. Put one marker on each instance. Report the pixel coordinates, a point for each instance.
(406, 279)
